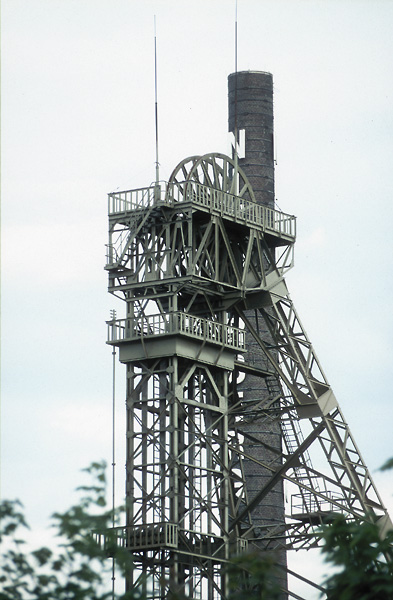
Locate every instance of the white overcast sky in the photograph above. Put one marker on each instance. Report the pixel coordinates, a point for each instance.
(78, 122)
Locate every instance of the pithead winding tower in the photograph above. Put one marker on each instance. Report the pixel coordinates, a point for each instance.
(225, 395)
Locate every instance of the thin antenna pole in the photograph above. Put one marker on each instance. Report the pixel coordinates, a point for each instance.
(113, 435)
(113, 449)
(236, 37)
(156, 102)
(236, 134)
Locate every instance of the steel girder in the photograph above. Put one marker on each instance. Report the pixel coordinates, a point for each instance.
(309, 397)
(184, 477)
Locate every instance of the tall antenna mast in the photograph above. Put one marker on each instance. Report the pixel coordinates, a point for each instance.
(236, 157)
(156, 103)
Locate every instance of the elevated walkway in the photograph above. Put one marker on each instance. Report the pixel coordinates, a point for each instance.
(204, 198)
(169, 536)
(176, 333)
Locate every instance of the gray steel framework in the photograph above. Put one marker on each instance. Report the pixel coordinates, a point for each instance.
(200, 265)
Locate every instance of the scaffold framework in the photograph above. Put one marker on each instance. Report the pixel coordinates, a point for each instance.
(201, 265)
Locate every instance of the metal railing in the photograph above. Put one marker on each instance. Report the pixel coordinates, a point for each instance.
(241, 210)
(212, 200)
(153, 535)
(309, 503)
(165, 535)
(141, 198)
(176, 322)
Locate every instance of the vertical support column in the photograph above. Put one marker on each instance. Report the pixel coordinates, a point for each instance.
(130, 484)
(176, 575)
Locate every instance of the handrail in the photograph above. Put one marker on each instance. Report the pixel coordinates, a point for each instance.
(176, 322)
(210, 199)
(241, 210)
(307, 502)
(149, 535)
(130, 200)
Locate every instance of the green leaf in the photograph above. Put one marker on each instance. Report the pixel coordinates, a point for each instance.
(387, 465)
(42, 555)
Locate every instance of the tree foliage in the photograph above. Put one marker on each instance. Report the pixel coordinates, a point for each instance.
(78, 568)
(361, 557)
(387, 465)
(362, 561)
(253, 576)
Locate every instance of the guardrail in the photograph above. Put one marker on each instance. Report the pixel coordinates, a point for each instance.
(119, 202)
(308, 503)
(241, 210)
(165, 535)
(212, 200)
(154, 535)
(140, 198)
(130, 329)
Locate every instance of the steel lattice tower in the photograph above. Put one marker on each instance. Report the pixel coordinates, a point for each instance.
(225, 395)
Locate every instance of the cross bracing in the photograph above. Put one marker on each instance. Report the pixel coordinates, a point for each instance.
(227, 402)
